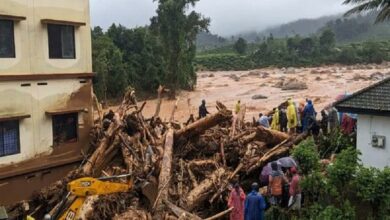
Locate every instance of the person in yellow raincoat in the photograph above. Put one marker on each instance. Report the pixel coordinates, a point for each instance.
(291, 116)
(275, 125)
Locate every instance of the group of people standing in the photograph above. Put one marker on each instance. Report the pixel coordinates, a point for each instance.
(253, 205)
(296, 117)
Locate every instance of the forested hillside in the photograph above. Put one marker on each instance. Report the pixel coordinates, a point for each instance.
(207, 41)
(359, 28)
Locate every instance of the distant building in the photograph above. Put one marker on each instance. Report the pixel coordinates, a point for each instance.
(45, 92)
(372, 105)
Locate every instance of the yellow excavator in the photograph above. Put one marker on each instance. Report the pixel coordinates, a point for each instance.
(78, 191)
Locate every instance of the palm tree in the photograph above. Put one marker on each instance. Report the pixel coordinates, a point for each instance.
(382, 6)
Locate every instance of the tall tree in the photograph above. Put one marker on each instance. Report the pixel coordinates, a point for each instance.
(177, 29)
(241, 46)
(108, 64)
(327, 40)
(382, 6)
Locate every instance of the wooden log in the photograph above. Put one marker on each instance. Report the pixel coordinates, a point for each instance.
(220, 215)
(98, 107)
(192, 177)
(100, 151)
(203, 124)
(200, 193)
(278, 151)
(128, 100)
(201, 163)
(172, 118)
(165, 173)
(224, 185)
(160, 91)
(179, 212)
(269, 136)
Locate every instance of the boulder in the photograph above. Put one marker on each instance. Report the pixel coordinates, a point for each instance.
(377, 76)
(234, 77)
(254, 73)
(290, 70)
(255, 97)
(294, 84)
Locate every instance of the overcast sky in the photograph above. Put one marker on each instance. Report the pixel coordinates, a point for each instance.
(227, 16)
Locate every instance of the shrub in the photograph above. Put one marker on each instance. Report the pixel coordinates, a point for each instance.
(343, 170)
(307, 156)
(333, 143)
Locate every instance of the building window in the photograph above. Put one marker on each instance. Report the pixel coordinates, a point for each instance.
(65, 128)
(9, 138)
(7, 44)
(61, 41)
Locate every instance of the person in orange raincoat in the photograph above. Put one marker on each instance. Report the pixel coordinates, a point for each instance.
(237, 201)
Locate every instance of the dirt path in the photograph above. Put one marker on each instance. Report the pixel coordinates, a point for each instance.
(324, 85)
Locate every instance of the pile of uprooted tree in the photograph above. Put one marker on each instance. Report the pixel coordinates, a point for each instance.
(179, 171)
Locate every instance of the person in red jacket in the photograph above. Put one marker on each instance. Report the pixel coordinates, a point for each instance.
(236, 200)
(295, 190)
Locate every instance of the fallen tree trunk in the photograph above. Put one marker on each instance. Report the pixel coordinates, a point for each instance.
(160, 91)
(220, 215)
(278, 151)
(200, 193)
(269, 136)
(99, 154)
(204, 124)
(165, 173)
(179, 212)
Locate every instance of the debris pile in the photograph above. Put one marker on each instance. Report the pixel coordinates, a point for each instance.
(179, 171)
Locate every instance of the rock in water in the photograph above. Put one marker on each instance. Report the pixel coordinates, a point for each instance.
(294, 84)
(255, 97)
(234, 77)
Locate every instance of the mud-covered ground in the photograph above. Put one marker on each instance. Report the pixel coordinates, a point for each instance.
(324, 84)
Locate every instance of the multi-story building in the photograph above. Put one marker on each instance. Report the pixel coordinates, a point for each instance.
(45, 92)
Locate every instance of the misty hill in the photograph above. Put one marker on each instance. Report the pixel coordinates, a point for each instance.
(303, 27)
(359, 28)
(347, 29)
(207, 41)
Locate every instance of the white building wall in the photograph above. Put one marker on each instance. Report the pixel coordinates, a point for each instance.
(367, 127)
(36, 134)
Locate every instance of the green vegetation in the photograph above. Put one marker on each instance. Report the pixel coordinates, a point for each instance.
(146, 57)
(177, 31)
(343, 190)
(297, 51)
(241, 46)
(382, 6)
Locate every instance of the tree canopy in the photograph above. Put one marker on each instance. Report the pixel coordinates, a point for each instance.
(241, 46)
(383, 6)
(177, 29)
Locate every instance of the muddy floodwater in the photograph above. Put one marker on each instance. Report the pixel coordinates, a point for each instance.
(323, 84)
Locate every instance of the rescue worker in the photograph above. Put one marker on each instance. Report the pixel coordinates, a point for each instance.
(237, 201)
(292, 120)
(275, 184)
(309, 114)
(275, 125)
(283, 119)
(203, 110)
(263, 120)
(295, 190)
(237, 107)
(254, 204)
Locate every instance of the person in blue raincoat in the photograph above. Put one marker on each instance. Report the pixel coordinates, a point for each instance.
(309, 114)
(254, 204)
